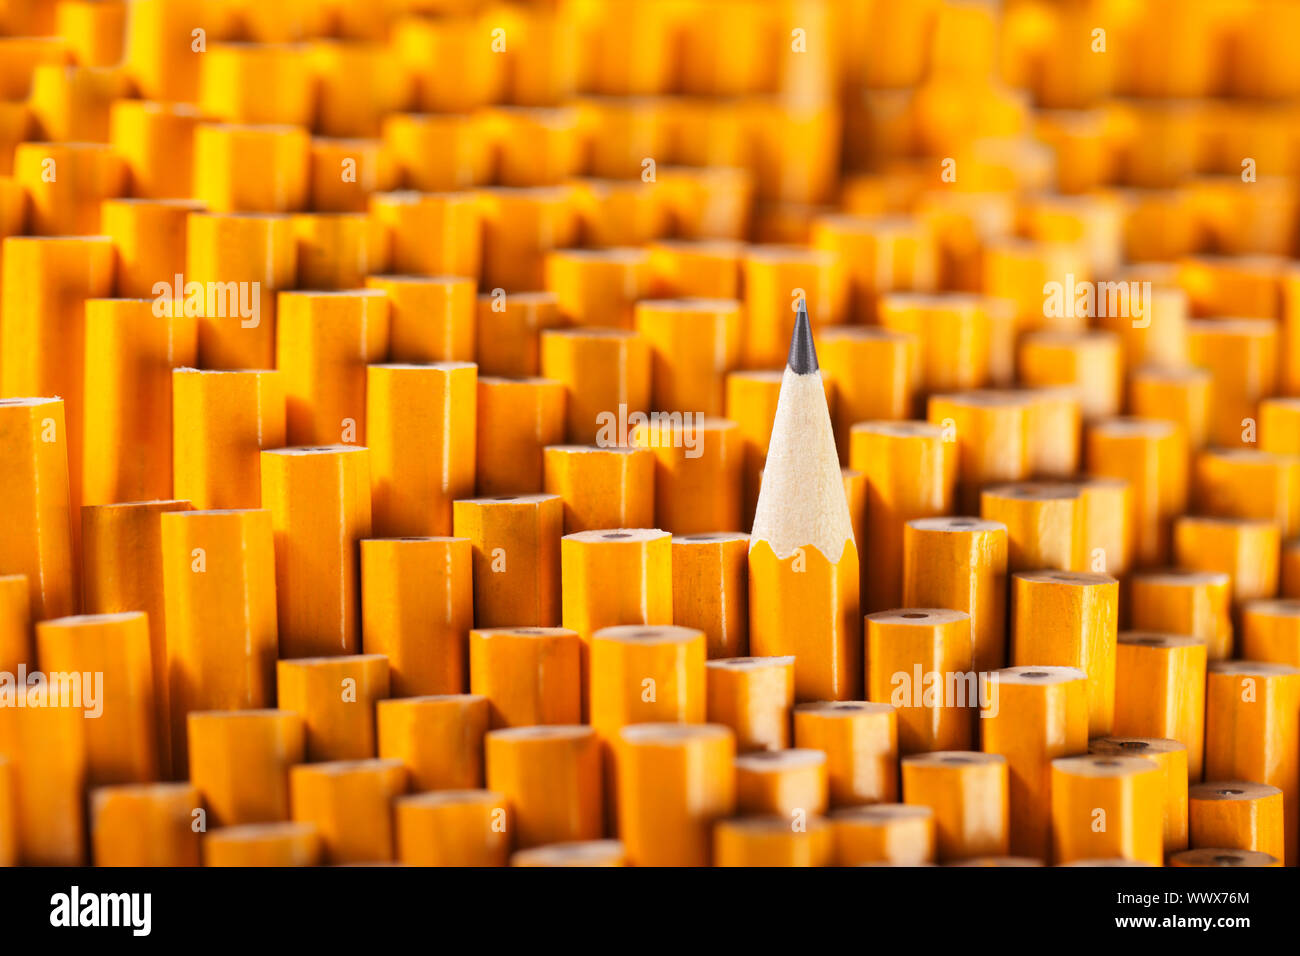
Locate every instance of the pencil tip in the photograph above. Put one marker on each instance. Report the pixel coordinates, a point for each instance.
(803, 356)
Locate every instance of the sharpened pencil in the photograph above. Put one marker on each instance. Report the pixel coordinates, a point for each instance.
(803, 562)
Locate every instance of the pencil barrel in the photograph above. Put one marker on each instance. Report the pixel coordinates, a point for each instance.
(1054, 425)
(693, 343)
(319, 504)
(1091, 362)
(1241, 356)
(438, 738)
(85, 173)
(1044, 522)
(920, 660)
(606, 376)
(156, 143)
(1271, 632)
(1160, 691)
(990, 430)
(772, 841)
(752, 696)
(430, 318)
(221, 423)
(38, 543)
(1251, 731)
(598, 287)
(892, 834)
(520, 225)
(552, 781)
(48, 761)
(112, 655)
(515, 541)
(279, 153)
(967, 794)
(1106, 542)
(1180, 395)
(806, 605)
(150, 236)
(323, 343)
(145, 825)
(417, 608)
(697, 473)
(643, 674)
(335, 697)
(910, 472)
(516, 421)
(611, 578)
(235, 266)
(776, 279)
(951, 335)
(583, 853)
(961, 563)
(1068, 619)
(407, 406)
(1107, 806)
(1178, 601)
(16, 648)
(44, 288)
(887, 395)
(1244, 483)
(1238, 815)
(263, 844)
(1171, 757)
(337, 250)
(452, 828)
(674, 783)
(529, 675)
(264, 744)
(342, 175)
(601, 487)
(128, 438)
(697, 269)
(711, 590)
(434, 152)
(860, 741)
(1038, 713)
(1152, 457)
(1279, 424)
(220, 609)
(1245, 549)
(508, 328)
(430, 234)
(351, 804)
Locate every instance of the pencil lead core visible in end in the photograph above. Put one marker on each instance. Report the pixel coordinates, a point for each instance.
(803, 356)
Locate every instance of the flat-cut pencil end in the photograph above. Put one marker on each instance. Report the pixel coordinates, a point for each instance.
(803, 356)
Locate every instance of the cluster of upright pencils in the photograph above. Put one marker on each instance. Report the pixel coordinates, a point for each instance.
(413, 412)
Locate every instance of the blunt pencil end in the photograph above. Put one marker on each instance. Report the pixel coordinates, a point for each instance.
(803, 356)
